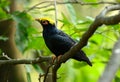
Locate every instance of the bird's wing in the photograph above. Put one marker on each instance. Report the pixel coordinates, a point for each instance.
(63, 39)
(61, 33)
(60, 43)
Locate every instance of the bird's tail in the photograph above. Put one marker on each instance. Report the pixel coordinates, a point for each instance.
(81, 56)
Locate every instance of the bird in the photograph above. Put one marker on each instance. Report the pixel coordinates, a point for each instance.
(59, 42)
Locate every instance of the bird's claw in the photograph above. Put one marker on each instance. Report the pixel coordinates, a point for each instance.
(54, 58)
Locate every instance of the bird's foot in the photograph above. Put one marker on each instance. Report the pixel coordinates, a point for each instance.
(53, 58)
(59, 57)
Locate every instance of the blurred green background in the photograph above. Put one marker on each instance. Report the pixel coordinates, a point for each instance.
(73, 19)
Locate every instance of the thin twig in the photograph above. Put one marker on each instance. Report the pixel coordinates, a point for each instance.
(46, 74)
(68, 2)
(6, 56)
(43, 75)
(38, 5)
(44, 6)
(85, 3)
(39, 77)
(25, 61)
(55, 6)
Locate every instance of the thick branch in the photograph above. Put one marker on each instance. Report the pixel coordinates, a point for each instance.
(100, 20)
(54, 71)
(112, 19)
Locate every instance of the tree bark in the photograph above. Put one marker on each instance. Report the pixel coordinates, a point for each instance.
(10, 73)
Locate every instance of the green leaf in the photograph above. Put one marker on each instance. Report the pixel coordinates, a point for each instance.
(3, 38)
(24, 22)
(50, 9)
(4, 3)
(35, 43)
(37, 68)
(0, 52)
(28, 77)
(72, 13)
(3, 14)
(90, 0)
(65, 20)
(78, 64)
(21, 37)
(22, 18)
(117, 79)
(93, 41)
(28, 70)
(91, 19)
(79, 22)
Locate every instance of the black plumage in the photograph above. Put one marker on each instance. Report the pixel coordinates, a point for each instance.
(58, 42)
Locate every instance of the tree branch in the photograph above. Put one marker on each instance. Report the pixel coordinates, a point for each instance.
(26, 61)
(51, 3)
(56, 14)
(99, 20)
(45, 77)
(54, 71)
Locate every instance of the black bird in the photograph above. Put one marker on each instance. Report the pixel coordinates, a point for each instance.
(58, 42)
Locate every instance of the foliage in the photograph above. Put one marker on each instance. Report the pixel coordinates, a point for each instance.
(99, 47)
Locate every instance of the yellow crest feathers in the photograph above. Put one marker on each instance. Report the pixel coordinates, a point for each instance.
(48, 19)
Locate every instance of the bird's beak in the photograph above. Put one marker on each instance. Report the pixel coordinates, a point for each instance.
(37, 19)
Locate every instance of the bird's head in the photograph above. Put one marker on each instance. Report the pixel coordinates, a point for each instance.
(45, 22)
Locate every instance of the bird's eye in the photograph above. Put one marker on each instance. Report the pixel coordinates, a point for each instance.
(44, 22)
